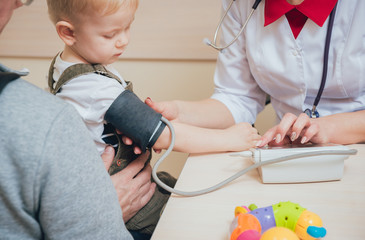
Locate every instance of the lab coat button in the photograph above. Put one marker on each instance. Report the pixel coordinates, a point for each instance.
(294, 52)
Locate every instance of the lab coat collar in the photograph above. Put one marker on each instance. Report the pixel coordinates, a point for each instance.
(317, 10)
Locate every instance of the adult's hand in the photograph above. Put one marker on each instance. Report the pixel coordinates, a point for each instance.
(168, 109)
(295, 129)
(133, 184)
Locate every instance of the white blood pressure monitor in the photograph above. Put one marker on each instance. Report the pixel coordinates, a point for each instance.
(300, 163)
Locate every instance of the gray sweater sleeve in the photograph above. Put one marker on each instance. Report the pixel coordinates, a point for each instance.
(76, 197)
(53, 184)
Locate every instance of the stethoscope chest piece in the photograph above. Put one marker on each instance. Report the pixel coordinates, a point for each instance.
(312, 113)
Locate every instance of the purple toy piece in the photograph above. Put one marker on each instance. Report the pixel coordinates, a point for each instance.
(265, 216)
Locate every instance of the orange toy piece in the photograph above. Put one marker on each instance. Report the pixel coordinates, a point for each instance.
(246, 222)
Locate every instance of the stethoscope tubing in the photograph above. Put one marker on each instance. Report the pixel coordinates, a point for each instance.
(325, 56)
(220, 48)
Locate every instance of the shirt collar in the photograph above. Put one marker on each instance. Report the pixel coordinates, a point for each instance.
(317, 10)
(22, 72)
(6, 77)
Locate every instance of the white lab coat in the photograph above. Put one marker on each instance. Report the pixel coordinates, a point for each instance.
(269, 59)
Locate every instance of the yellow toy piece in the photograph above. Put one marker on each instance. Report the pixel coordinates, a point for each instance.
(239, 210)
(279, 233)
(305, 220)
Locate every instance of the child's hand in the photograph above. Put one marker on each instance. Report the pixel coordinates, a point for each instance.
(128, 141)
(241, 136)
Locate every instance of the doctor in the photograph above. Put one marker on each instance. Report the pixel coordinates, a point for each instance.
(281, 53)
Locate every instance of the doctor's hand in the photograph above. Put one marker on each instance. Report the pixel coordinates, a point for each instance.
(132, 184)
(168, 109)
(295, 129)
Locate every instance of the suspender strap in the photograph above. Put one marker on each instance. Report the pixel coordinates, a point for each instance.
(74, 71)
(124, 151)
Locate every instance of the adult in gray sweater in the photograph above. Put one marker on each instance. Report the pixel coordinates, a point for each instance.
(53, 184)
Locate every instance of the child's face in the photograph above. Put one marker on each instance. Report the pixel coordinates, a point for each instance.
(102, 39)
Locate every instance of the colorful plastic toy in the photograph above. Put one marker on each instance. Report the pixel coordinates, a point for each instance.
(252, 223)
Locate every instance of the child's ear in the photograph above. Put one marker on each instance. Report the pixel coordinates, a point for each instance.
(65, 31)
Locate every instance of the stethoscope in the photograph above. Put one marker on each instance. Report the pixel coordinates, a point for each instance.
(312, 113)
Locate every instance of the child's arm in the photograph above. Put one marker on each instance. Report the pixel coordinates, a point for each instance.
(193, 139)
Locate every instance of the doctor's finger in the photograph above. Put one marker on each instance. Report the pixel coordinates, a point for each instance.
(268, 136)
(300, 124)
(285, 141)
(309, 134)
(155, 106)
(284, 127)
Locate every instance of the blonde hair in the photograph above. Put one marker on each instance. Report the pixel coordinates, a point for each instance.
(59, 10)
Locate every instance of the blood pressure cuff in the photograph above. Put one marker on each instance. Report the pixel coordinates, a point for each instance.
(135, 119)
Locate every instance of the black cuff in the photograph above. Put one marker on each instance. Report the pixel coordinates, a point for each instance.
(135, 119)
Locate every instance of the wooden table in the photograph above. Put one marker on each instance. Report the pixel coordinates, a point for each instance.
(340, 204)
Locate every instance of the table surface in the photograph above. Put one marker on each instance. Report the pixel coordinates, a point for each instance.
(340, 204)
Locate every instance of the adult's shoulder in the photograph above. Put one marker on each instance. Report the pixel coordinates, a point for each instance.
(29, 112)
(25, 95)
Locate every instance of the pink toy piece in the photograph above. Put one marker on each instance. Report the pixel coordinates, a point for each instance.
(249, 235)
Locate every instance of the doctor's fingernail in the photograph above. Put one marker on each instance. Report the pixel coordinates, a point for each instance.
(278, 138)
(304, 140)
(293, 136)
(258, 143)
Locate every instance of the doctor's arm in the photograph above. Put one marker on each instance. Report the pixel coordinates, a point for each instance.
(207, 113)
(341, 128)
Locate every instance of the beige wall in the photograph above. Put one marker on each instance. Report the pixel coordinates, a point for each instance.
(166, 59)
(163, 29)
